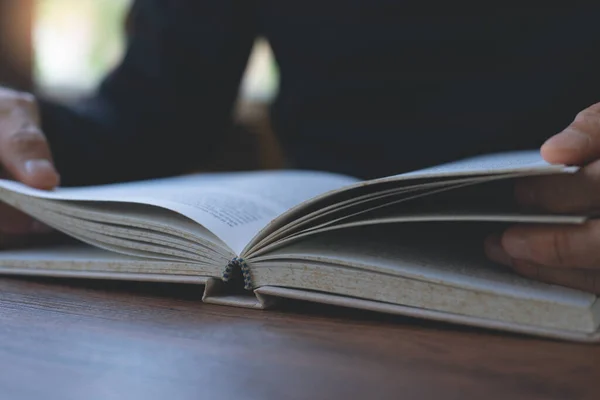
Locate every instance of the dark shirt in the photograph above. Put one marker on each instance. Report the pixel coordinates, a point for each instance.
(368, 88)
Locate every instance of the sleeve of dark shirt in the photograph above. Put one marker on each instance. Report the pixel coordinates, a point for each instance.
(167, 104)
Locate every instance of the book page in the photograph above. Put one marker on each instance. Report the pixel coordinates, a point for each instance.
(495, 165)
(358, 204)
(234, 206)
(442, 253)
(440, 267)
(525, 161)
(85, 261)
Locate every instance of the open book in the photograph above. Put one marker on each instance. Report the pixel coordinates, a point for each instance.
(410, 244)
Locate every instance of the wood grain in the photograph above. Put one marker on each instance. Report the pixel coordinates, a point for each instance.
(67, 339)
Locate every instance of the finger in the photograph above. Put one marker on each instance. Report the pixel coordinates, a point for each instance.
(494, 250)
(567, 193)
(15, 222)
(569, 246)
(25, 153)
(577, 144)
(576, 278)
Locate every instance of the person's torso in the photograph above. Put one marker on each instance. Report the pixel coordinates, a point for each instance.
(376, 87)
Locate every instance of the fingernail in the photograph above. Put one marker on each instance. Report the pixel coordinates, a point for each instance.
(494, 250)
(38, 167)
(40, 227)
(570, 140)
(524, 193)
(516, 246)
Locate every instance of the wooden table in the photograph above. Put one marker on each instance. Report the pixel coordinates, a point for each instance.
(104, 340)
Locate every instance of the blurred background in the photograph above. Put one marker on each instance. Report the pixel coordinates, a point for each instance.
(62, 48)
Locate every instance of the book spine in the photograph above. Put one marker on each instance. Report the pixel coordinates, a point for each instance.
(238, 266)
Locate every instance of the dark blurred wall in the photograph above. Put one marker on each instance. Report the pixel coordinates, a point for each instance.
(16, 56)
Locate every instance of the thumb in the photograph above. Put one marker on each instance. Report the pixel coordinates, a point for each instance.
(24, 151)
(25, 155)
(577, 144)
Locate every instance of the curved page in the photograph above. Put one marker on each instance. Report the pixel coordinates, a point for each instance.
(234, 206)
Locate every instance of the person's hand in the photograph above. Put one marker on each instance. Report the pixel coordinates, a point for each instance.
(24, 156)
(563, 255)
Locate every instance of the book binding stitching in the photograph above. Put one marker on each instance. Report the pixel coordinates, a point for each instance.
(231, 268)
